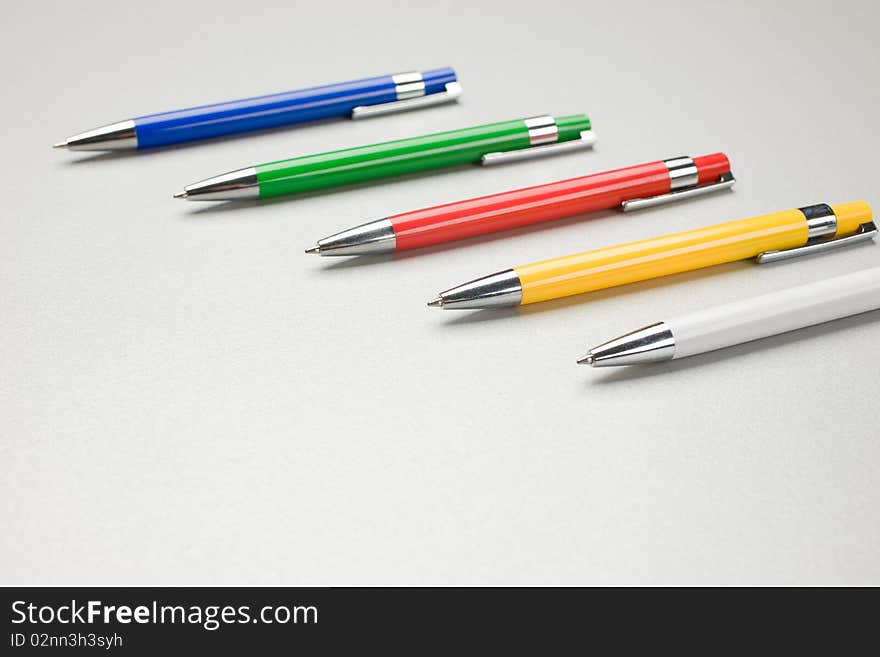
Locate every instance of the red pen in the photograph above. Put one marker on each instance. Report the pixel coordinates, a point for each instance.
(630, 188)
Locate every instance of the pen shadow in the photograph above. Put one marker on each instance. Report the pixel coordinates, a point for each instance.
(670, 367)
(105, 156)
(489, 315)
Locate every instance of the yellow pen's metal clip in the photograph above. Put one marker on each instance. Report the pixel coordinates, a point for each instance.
(410, 89)
(543, 140)
(865, 233)
(684, 178)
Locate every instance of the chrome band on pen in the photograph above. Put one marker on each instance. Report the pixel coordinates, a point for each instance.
(542, 130)
(682, 172)
(408, 85)
(821, 220)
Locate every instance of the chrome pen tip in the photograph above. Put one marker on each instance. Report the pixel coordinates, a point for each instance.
(60, 144)
(586, 360)
(181, 195)
(436, 303)
(314, 249)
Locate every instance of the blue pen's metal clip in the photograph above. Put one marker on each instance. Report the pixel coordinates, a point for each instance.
(410, 90)
(865, 233)
(543, 140)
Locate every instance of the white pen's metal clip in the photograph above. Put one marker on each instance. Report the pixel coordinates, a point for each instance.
(410, 95)
(543, 141)
(865, 233)
(684, 178)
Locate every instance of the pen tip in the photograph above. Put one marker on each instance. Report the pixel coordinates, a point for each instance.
(181, 195)
(60, 144)
(436, 303)
(586, 360)
(314, 249)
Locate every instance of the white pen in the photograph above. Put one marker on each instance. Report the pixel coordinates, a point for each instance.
(742, 321)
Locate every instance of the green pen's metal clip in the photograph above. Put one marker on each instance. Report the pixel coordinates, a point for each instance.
(543, 141)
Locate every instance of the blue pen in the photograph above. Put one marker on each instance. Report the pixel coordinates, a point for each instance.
(357, 99)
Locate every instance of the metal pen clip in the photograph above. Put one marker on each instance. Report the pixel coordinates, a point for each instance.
(865, 233)
(543, 140)
(684, 183)
(411, 95)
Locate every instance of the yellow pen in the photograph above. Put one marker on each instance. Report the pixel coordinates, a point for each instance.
(770, 237)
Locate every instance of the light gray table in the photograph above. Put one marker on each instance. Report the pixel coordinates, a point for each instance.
(185, 397)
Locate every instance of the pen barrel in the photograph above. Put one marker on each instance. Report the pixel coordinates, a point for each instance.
(274, 110)
(775, 313)
(521, 207)
(670, 254)
(353, 165)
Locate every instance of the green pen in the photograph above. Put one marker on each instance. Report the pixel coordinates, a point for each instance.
(486, 144)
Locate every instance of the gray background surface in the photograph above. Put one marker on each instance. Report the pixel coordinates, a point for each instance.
(185, 397)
